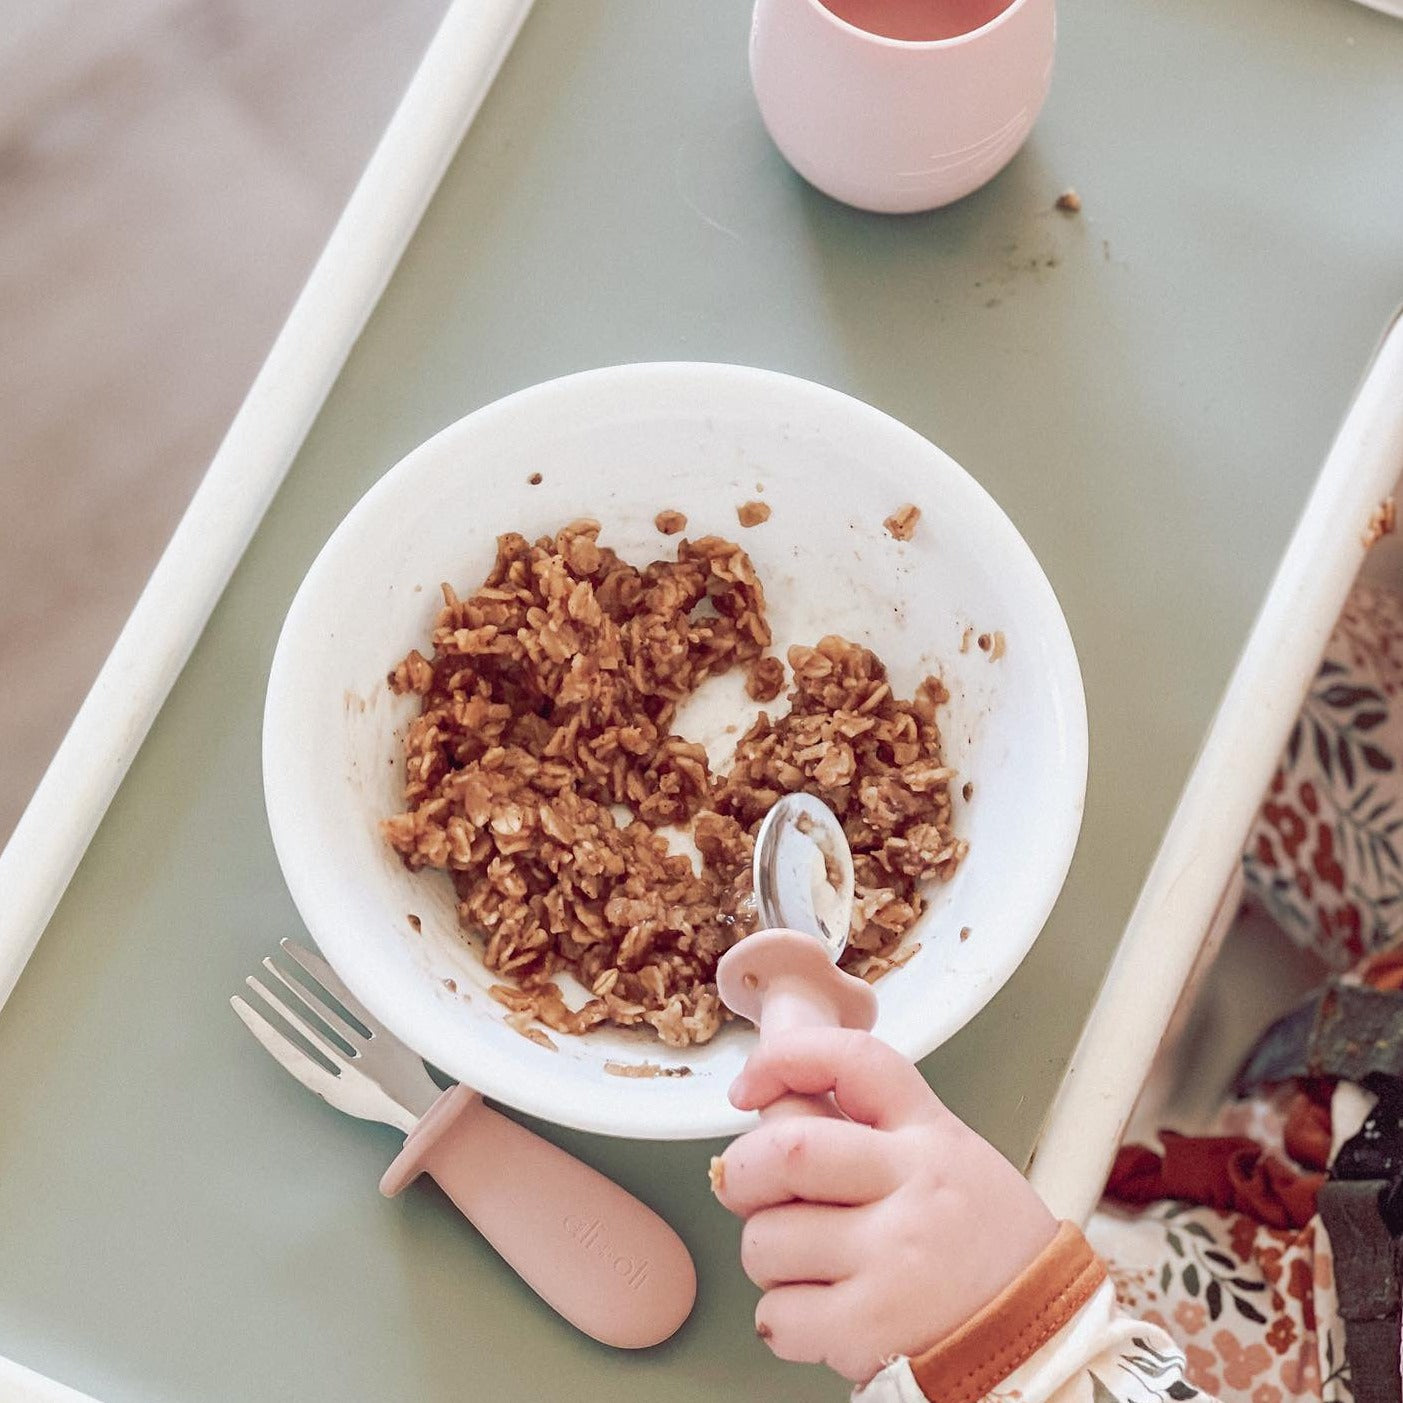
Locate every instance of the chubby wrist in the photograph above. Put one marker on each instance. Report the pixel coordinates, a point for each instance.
(972, 1360)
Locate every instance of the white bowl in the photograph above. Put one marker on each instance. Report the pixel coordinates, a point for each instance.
(619, 445)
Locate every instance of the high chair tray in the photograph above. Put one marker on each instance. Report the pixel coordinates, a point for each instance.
(1148, 388)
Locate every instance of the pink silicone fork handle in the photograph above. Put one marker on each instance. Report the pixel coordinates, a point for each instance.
(587, 1247)
(782, 979)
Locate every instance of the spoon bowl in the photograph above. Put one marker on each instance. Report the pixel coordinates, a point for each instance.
(803, 872)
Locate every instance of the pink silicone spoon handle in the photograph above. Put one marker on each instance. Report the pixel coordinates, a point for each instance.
(795, 1003)
(587, 1247)
(782, 979)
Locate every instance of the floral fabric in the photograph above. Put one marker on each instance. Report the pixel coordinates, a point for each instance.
(1325, 855)
(1252, 1307)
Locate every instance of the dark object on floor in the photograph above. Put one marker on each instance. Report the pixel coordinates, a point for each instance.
(1341, 1031)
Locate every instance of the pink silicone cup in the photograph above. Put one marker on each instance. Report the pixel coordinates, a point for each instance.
(783, 979)
(892, 125)
(587, 1247)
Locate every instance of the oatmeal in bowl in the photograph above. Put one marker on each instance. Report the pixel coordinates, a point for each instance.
(543, 774)
(542, 684)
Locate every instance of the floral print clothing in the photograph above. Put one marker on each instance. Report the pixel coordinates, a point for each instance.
(1252, 1307)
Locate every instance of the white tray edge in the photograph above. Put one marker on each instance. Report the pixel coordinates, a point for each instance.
(54, 831)
(1204, 840)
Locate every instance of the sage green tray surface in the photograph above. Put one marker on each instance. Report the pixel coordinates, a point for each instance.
(1147, 389)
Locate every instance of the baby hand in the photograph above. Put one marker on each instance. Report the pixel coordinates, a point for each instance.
(874, 1236)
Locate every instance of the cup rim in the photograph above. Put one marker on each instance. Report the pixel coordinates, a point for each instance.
(918, 44)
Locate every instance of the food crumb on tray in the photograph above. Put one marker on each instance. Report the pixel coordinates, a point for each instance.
(753, 513)
(1069, 202)
(644, 1069)
(964, 934)
(547, 707)
(670, 522)
(994, 644)
(901, 524)
(1383, 522)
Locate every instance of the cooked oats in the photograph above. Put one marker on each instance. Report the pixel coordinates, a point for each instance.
(902, 522)
(548, 700)
(1383, 521)
(521, 1022)
(766, 680)
(873, 967)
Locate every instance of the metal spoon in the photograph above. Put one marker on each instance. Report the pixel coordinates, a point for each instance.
(803, 872)
(787, 976)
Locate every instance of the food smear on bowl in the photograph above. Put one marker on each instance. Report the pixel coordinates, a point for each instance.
(546, 707)
(645, 1070)
(520, 1022)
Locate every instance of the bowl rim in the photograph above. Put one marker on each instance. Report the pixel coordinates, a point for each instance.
(316, 894)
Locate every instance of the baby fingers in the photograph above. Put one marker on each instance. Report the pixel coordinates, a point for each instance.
(801, 1242)
(807, 1158)
(811, 1324)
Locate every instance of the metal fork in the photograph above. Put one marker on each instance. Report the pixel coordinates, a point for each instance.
(375, 1078)
(583, 1244)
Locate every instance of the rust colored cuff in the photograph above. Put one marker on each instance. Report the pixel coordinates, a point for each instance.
(1017, 1323)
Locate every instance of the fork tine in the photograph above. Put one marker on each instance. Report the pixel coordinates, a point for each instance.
(324, 975)
(322, 1009)
(287, 1054)
(304, 1025)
